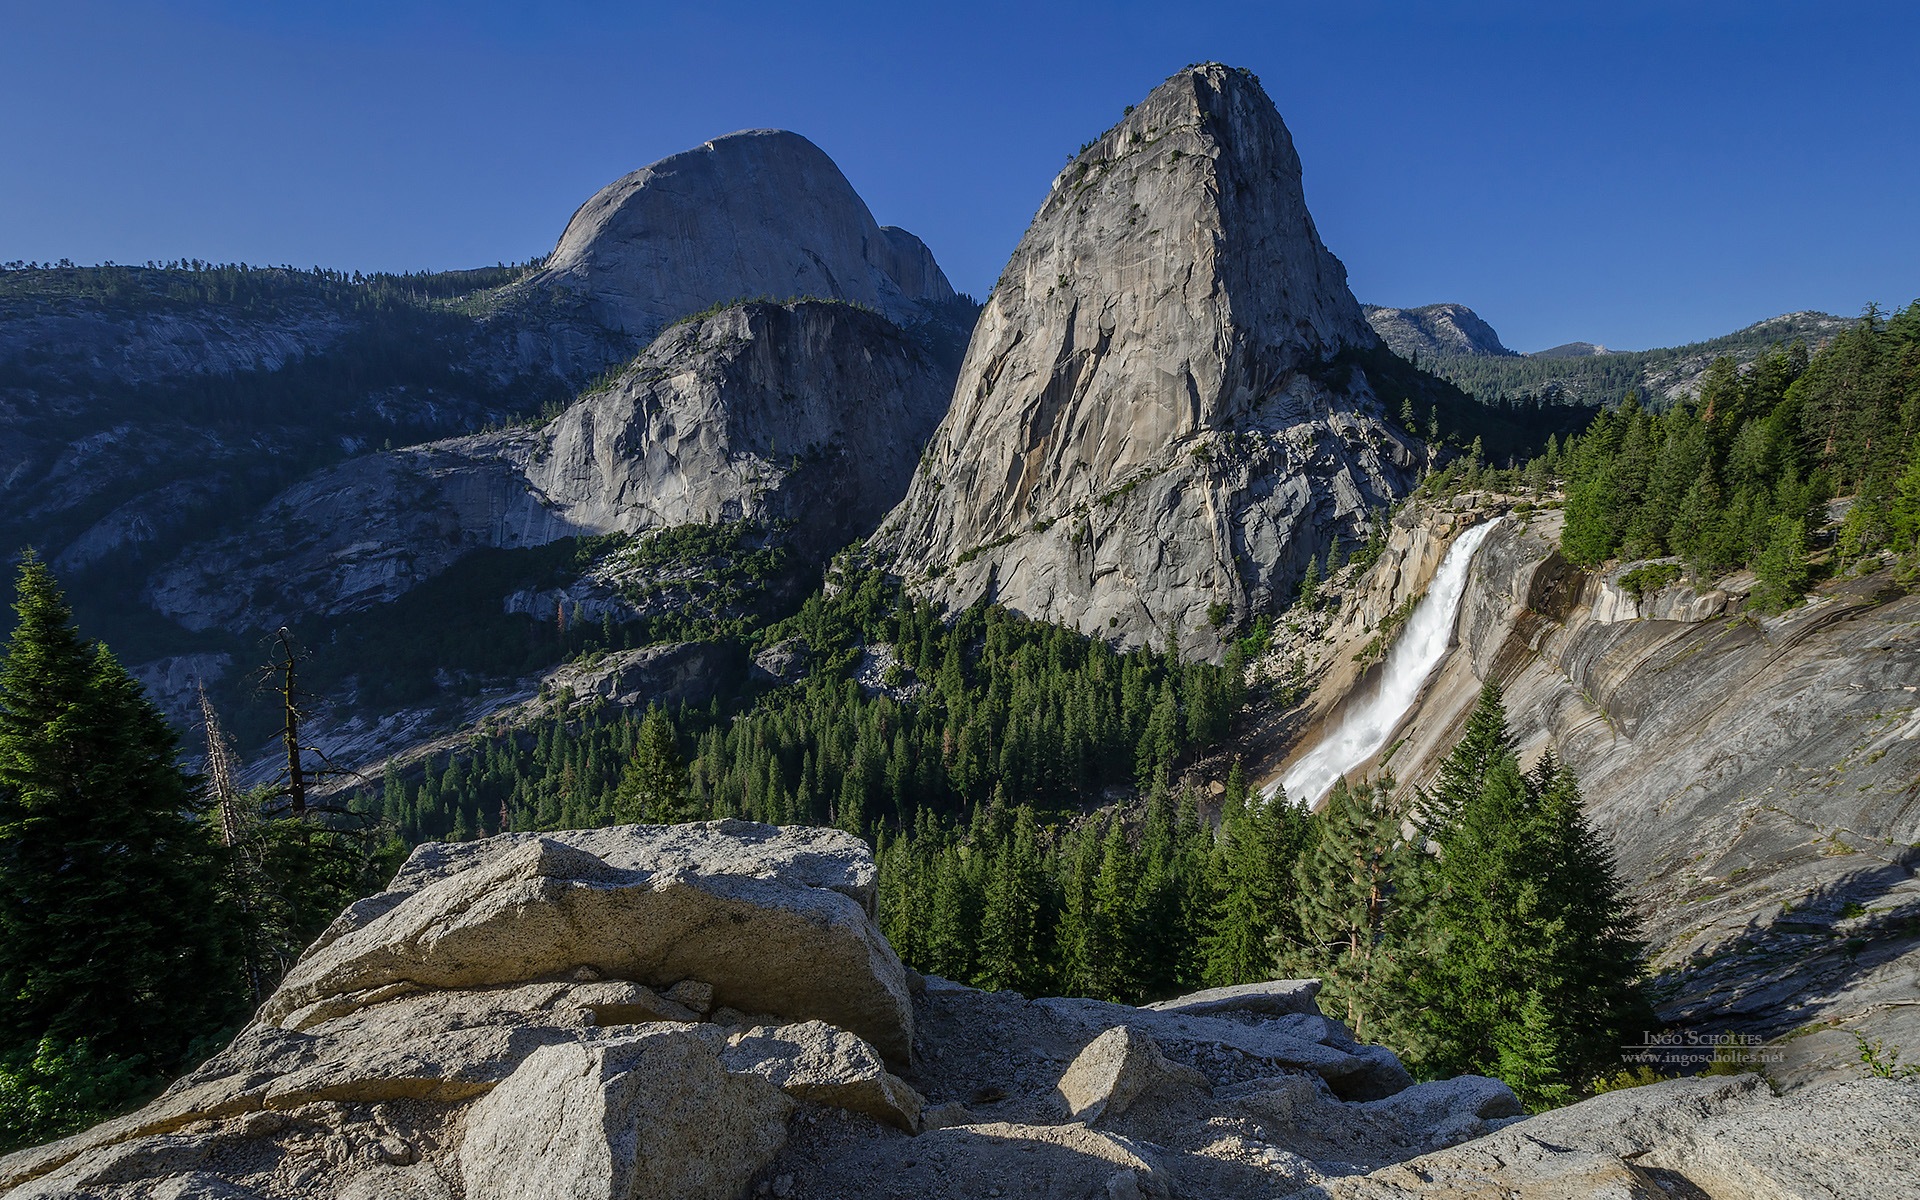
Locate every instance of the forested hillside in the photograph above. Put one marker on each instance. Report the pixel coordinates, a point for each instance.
(1659, 376)
(985, 704)
(149, 407)
(1739, 477)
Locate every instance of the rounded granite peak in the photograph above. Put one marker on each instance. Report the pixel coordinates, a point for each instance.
(758, 212)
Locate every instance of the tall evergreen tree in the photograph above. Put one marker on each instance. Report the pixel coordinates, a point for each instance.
(1528, 963)
(1014, 950)
(953, 928)
(1345, 885)
(1781, 573)
(655, 785)
(1260, 841)
(1112, 920)
(1463, 772)
(113, 928)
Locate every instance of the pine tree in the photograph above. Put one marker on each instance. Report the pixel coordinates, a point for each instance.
(953, 924)
(1781, 574)
(1903, 523)
(655, 784)
(1111, 970)
(1160, 741)
(1529, 963)
(1013, 930)
(1309, 594)
(1463, 772)
(1344, 883)
(1261, 841)
(113, 929)
(1596, 983)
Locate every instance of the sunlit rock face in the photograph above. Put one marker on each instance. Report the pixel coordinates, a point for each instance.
(1151, 423)
(762, 212)
(1435, 329)
(807, 417)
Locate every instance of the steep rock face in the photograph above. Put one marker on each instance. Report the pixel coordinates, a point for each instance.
(762, 212)
(809, 413)
(1435, 329)
(806, 415)
(139, 409)
(1147, 423)
(1754, 775)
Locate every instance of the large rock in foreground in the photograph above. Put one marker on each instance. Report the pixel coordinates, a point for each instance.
(793, 903)
(499, 1025)
(654, 1117)
(621, 1012)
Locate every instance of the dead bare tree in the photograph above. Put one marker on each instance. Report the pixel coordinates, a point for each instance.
(282, 674)
(221, 770)
(239, 834)
(285, 670)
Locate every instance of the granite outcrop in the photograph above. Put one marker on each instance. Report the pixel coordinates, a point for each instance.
(758, 213)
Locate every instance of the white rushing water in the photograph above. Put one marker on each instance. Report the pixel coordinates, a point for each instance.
(1366, 726)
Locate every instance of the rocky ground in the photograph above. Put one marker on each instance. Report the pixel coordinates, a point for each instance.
(708, 1011)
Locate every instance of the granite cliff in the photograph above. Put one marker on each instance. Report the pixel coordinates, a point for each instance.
(1755, 775)
(803, 418)
(1150, 423)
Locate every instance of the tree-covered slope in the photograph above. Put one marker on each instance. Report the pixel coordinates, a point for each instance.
(1606, 377)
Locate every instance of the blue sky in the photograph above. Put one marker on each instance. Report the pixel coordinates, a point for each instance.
(1629, 173)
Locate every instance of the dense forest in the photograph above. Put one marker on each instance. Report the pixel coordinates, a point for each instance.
(984, 704)
(1741, 476)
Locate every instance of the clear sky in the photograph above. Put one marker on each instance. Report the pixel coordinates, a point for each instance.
(1628, 173)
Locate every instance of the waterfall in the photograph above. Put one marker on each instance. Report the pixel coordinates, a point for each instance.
(1365, 727)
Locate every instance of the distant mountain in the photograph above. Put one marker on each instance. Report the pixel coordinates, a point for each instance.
(1571, 350)
(205, 452)
(1435, 330)
(1586, 373)
(759, 213)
